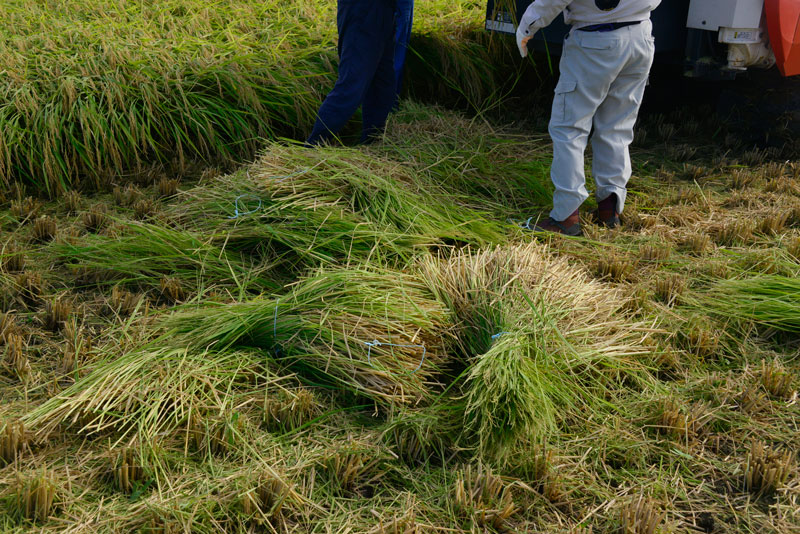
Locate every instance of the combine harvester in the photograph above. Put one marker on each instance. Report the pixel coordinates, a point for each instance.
(713, 39)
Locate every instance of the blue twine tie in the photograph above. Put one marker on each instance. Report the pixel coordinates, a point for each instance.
(275, 329)
(377, 343)
(238, 213)
(280, 178)
(276, 179)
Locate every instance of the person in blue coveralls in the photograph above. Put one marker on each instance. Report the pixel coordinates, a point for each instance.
(366, 70)
(404, 17)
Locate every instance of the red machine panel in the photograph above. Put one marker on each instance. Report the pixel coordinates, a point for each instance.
(783, 22)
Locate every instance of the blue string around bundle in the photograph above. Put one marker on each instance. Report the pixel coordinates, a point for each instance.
(251, 196)
(277, 349)
(237, 213)
(527, 224)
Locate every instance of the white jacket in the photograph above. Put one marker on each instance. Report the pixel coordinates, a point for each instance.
(580, 13)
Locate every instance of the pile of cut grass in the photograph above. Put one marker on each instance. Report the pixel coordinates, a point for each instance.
(273, 409)
(373, 332)
(151, 391)
(333, 206)
(478, 164)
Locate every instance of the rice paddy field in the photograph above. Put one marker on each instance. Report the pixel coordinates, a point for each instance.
(206, 328)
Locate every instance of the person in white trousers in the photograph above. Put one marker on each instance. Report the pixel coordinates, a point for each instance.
(604, 67)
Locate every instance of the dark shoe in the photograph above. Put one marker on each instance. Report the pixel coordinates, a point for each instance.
(607, 214)
(570, 226)
(559, 227)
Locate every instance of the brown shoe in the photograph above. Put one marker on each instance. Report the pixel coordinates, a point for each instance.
(607, 214)
(570, 226)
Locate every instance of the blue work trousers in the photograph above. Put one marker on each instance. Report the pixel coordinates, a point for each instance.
(366, 70)
(404, 18)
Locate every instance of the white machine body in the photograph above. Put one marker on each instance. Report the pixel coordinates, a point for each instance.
(741, 25)
(715, 14)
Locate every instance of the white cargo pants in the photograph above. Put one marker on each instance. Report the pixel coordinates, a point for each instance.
(603, 77)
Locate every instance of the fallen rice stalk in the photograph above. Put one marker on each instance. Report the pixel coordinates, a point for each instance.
(331, 206)
(767, 301)
(148, 391)
(145, 253)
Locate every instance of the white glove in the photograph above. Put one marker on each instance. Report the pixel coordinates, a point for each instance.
(524, 31)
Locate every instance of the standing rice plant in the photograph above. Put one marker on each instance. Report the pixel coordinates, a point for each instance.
(203, 83)
(195, 87)
(457, 62)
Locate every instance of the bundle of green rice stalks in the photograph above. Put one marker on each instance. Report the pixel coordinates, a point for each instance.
(241, 213)
(766, 301)
(151, 391)
(333, 204)
(374, 332)
(144, 254)
(544, 341)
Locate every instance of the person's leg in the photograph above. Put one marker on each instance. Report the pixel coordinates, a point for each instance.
(404, 17)
(615, 119)
(360, 52)
(380, 93)
(587, 68)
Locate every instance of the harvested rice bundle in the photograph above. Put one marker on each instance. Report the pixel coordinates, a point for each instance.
(145, 253)
(384, 192)
(482, 288)
(376, 332)
(150, 391)
(546, 342)
(335, 204)
(241, 213)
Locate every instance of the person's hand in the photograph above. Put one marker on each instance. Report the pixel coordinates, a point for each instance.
(523, 36)
(525, 33)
